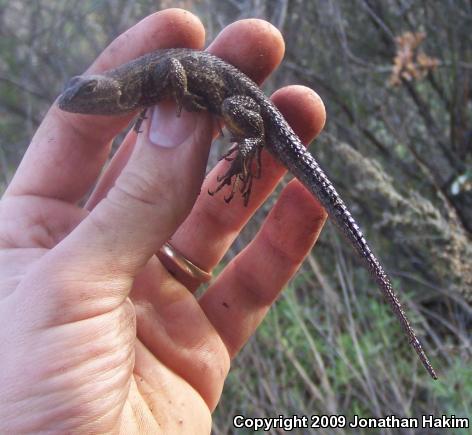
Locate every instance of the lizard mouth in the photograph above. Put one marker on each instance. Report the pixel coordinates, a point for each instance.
(84, 95)
(69, 102)
(78, 95)
(64, 102)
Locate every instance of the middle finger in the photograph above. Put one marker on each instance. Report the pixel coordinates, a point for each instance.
(210, 229)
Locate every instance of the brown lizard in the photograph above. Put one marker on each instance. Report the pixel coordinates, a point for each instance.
(198, 80)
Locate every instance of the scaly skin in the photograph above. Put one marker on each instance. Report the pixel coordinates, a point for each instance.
(197, 80)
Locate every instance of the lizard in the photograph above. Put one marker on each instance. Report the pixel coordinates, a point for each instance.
(197, 80)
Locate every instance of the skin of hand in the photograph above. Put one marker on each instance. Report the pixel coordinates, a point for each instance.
(96, 336)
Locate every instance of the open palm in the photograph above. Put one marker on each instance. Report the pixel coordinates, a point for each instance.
(96, 335)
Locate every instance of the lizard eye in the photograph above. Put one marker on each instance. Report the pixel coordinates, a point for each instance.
(89, 87)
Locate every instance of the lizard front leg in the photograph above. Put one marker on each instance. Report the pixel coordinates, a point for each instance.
(172, 80)
(172, 77)
(139, 121)
(177, 81)
(244, 121)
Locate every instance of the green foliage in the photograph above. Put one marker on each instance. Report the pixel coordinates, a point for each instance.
(370, 349)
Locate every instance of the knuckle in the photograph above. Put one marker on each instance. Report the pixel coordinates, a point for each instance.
(134, 186)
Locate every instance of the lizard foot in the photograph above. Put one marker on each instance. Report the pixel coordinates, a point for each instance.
(139, 121)
(190, 102)
(240, 174)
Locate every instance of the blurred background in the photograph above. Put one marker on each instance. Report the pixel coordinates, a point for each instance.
(396, 79)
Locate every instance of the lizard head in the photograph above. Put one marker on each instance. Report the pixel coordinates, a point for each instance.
(91, 94)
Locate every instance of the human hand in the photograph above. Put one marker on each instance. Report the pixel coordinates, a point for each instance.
(95, 334)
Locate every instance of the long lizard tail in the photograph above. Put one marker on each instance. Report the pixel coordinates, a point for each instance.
(308, 171)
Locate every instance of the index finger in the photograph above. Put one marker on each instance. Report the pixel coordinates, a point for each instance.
(68, 151)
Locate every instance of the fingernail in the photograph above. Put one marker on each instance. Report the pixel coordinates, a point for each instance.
(166, 129)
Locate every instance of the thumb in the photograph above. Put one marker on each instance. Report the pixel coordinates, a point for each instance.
(99, 260)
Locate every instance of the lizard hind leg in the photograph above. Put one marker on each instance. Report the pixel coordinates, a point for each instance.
(242, 117)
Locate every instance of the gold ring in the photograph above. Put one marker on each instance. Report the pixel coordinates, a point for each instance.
(184, 265)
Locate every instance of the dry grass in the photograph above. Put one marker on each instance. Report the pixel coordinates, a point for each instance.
(323, 352)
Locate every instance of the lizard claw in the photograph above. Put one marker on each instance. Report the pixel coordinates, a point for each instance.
(239, 174)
